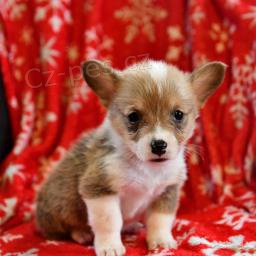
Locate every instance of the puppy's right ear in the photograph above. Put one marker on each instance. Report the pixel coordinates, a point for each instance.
(102, 79)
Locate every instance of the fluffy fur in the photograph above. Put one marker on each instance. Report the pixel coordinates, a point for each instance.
(112, 178)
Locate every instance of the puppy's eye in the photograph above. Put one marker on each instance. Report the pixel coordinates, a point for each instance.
(134, 117)
(178, 115)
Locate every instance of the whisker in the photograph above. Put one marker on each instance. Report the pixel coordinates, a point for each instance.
(194, 149)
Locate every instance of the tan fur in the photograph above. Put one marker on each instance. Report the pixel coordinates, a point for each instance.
(167, 202)
(139, 91)
(206, 79)
(97, 73)
(102, 166)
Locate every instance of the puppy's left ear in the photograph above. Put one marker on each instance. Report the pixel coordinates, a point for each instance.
(206, 79)
(102, 79)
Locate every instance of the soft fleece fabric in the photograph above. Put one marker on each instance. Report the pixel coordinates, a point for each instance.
(42, 44)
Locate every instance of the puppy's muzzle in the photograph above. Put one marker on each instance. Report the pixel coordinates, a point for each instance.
(158, 147)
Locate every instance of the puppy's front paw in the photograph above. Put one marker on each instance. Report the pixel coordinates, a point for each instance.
(109, 248)
(165, 241)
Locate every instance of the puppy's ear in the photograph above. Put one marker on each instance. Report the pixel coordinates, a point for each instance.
(102, 79)
(206, 79)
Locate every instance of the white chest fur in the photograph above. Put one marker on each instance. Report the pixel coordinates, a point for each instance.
(142, 185)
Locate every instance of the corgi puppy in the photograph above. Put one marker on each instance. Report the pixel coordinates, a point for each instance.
(130, 169)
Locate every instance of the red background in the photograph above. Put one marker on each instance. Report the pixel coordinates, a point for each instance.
(42, 44)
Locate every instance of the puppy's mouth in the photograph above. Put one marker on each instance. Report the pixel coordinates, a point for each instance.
(159, 160)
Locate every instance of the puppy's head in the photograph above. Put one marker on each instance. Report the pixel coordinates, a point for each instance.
(153, 107)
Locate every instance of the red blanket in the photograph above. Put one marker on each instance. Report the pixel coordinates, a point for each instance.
(42, 44)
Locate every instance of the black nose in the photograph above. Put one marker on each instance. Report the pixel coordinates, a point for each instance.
(158, 147)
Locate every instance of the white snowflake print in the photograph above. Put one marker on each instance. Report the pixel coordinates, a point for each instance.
(173, 53)
(91, 53)
(140, 15)
(29, 208)
(6, 238)
(175, 33)
(30, 252)
(216, 173)
(235, 244)
(8, 208)
(235, 218)
(205, 186)
(230, 29)
(251, 77)
(13, 102)
(73, 53)
(17, 62)
(251, 15)
(13, 170)
(199, 59)
(232, 3)
(27, 124)
(79, 97)
(248, 201)
(223, 99)
(27, 36)
(250, 205)
(227, 190)
(91, 35)
(51, 117)
(231, 169)
(249, 163)
(252, 98)
(247, 196)
(185, 235)
(99, 45)
(88, 6)
(12, 9)
(198, 15)
(220, 36)
(51, 242)
(48, 53)
(180, 223)
(238, 109)
(59, 11)
(107, 43)
(175, 36)
(242, 90)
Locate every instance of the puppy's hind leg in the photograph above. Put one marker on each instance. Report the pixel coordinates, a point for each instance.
(48, 225)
